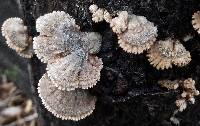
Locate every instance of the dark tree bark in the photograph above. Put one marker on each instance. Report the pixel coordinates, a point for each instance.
(128, 93)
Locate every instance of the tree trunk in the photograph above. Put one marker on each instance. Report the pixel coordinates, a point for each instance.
(128, 93)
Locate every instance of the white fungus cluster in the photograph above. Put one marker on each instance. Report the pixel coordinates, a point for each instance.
(120, 23)
(71, 65)
(135, 33)
(17, 38)
(165, 53)
(99, 14)
(188, 89)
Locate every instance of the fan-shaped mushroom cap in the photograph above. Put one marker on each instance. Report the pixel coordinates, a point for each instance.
(55, 22)
(58, 37)
(91, 42)
(160, 54)
(75, 71)
(139, 36)
(181, 55)
(15, 32)
(90, 72)
(49, 48)
(65, 71)
(119, 23)
(97, 13)
(67, 105)
(165, 53)
(189, 87)
(196, 21)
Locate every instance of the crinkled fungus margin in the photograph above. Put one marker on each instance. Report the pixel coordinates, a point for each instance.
(187, 86)
(67, 105)
(15, 32)
(164, 53)
(135, 33)
(71, 65)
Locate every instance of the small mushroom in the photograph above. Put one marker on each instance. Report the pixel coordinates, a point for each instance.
(75, 71)
(181, 56)
(196, 21)
(97, 13)
(135, 33)
(165, 53)
(187, 86)
(15, 32)
(181, 104)
(139, 36)
(55, 22)
(67, 105)
(120, 23)
(160, 54)
(49, 48)
(65, 71)
(59, 36)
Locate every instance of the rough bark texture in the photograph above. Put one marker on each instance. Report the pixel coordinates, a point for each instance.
(127, 93)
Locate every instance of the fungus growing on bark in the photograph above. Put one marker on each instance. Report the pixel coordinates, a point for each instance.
(59, 36)
(165, 53)
(135, 33)
(188, 89)
(139, 35)
(97, 13)
(90, 72)
(55, 22)
(48, 48)
(75, 71)
(196, 21)
(67, 52)
(17, 38)
(67, 105)
(120, 23)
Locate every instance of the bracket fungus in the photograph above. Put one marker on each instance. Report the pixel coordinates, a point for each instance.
(55, 22)
(139, 36)
(68, 52)
(59, 36)
(188, 89)
(165, 53)
(135, 33)
(196, 21)
(67, 105)
(75, 71)
(15, 32)
(71, 64)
